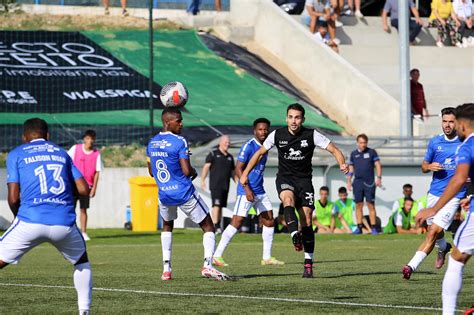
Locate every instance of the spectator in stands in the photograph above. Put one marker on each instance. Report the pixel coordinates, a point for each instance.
(322, 36)
(401, 221)
(218, 5)
(362, 162)
(443, 17)
(418, 101)
(221, 168)
(355, 10)
(123, 4)
(87, 160)
(407, 193)
(463, 14)
(337, 7)
(193, 6)
(323, 212)
(391, 6)
(316, 11)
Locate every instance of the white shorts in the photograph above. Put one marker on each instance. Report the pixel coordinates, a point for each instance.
(22, 237)
(445, 216)
(194, 208)
(261, 204)
(464, 238)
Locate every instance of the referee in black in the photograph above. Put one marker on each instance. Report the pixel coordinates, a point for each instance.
(221, 168)
(295, 145)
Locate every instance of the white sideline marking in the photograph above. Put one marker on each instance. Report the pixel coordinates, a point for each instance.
(231, 296)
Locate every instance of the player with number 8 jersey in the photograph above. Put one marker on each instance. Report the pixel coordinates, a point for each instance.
(168, 162)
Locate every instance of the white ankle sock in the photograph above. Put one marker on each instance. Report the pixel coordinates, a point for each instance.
(267, 237)
(416, 261)
(83, 285)
(452, 284)
(309, 256)
(226, 238)
(209, 243)
(167, 249)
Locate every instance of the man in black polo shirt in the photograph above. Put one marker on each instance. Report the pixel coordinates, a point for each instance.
(295, 145)
(362, 163)
(220, 165)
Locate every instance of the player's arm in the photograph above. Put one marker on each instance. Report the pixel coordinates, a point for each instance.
(239, 168)
(82, 187)
(334, 150)
(94, 185)
(251, 164)
(14, 197)
(150, 170)
(455, 184)
(187, 169)
(401, 230)
(333, 223)
(344, 223)
(378, 169)
(320, 226)
(205, 171)
(427, 167)
(349, 177)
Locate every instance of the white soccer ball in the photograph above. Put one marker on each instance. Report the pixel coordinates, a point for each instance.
(174, 94)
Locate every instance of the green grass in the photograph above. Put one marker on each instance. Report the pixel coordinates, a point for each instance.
(357, 269)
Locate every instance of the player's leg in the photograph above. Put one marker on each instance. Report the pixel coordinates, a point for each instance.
(168, 214)
(69, 242)
(84, 202)
(369, 194)
(464, 249)
(287, 197)
(359, 200)
(264, 209)
(216, 196)
(241, 209)
(306, 214)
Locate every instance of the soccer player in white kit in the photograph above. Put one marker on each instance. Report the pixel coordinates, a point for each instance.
(464, 239)
(42, 181)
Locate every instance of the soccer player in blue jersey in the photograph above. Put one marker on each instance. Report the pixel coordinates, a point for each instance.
(168, 162)
(464, 239)
(439, 159)
(42, 182)
(252, 195)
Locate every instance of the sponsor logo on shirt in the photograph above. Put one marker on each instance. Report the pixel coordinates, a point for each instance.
(439, 149)
(160, 144)
(282, 143)
(294, 155)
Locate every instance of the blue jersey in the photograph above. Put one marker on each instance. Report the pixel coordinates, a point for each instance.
(164, 152)
(255, 178)
(465, 155)
(442, 151)
(46, 176)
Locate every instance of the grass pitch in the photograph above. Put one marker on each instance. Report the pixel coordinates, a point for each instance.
(349, 271)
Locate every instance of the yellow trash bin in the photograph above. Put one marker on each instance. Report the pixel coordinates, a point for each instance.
(144, 203)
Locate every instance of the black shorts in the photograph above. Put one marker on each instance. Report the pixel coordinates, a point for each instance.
(302, 188)
(84, 202)
(219, 197)
(363, 191)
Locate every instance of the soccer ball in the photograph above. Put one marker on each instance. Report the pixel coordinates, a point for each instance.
(174, 94)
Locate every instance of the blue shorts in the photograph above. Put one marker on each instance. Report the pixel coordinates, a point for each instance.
(363, 190)
(306, 19)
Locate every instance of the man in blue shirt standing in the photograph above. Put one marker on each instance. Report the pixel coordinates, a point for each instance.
(464, 239)
(168, 162)
(251, 195)
(439, 159)
(362, 162)
(42, 181)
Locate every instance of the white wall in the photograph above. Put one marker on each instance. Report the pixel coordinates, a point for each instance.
(113, 194)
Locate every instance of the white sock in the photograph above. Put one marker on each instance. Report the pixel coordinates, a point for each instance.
(166, 248)
(309, 256)
(293, 233)
(452, 284)
(267, 237)
(83, 285)
(441, 244)
(209, 243)
(226, 238)
(416, 261)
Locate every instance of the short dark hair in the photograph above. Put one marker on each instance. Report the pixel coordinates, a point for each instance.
(407, 186)
(261, 120)
(324, 188)
(296, 106)
(89, 133)
(35, 126)
(322, 24)
(414, 70)
(342, 190)
(465, 111)
(170, 110)
(408, 199)
(448, 111)
(363, 136)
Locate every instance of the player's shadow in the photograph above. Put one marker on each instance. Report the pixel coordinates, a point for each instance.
(251, 276)
(331, 261)
(134, 235)
(375, 273)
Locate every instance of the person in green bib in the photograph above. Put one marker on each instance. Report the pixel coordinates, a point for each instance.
(343, 214)
(407, 193)
(322, 215)
(401, 221)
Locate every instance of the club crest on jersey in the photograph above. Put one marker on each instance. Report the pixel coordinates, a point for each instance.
(439, 149)
(160, 144)
(310, 198)
(304, 143)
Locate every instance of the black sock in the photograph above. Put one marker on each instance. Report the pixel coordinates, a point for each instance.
(308, 262)
(308, 239)
(291, 219)
(360, 227)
